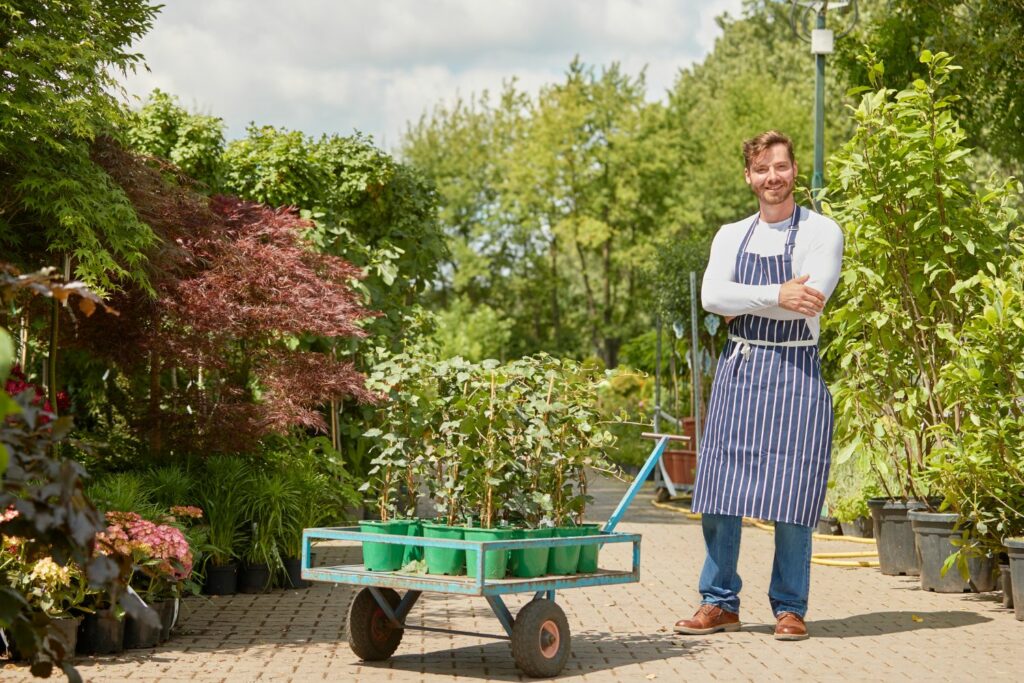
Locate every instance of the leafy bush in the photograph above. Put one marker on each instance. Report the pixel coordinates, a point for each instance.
(917, 232)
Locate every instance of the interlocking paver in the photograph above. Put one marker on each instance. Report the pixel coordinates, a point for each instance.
(864, 626)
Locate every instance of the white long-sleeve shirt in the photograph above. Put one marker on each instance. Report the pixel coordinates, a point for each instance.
(817, 251)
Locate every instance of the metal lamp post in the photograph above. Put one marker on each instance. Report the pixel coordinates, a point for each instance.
(822, 40)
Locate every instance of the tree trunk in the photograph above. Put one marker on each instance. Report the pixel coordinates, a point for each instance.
(155, 440)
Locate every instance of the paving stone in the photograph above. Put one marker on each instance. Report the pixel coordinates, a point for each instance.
(864, 626)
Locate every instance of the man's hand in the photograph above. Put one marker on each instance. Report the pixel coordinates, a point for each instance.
(797, 297)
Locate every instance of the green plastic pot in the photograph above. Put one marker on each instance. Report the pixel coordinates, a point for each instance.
(413, 553)
(495, 561)
(383, 557)
(588, 553)
(565, 559)
(444, 560)
(529, 563)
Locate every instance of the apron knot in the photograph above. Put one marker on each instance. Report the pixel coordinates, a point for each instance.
(742, 347)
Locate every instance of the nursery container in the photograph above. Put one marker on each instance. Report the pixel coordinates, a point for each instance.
(413, 553)
(138, 633)
(565, 559)
(293, 571)
(254, 578)
(530, 563)
(101, 634)
(383, 557)
(1015, 549)
(935, 533)
(894, 536)
(495, 561)
(449, 561)
(221, 579)
(589, 553)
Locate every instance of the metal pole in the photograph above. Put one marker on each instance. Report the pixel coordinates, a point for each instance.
(696, 360)
(818, 179)
(657, 377)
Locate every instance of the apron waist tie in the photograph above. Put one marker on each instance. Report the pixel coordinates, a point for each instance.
(744, 346)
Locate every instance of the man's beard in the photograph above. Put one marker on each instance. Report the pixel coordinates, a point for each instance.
(776, 195)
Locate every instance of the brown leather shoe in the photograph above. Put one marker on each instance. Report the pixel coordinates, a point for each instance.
(789, 626)
(708, 619)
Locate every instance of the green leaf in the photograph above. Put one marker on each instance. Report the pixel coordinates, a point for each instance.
(7, 353)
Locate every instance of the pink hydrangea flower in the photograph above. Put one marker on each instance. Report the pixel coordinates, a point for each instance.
(130, 535)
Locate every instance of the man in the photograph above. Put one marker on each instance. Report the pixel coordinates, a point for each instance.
(768, 437)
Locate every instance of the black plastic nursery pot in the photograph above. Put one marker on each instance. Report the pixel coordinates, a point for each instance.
(1015, 549)
(829, 526)
(894, 536)
(293, 568)
(139, 634)
(862, 527)
(168, 611)
(254, 578)
(1006, 583)
(67, 627)
(100, 634)
(221, 579)
(935, 532)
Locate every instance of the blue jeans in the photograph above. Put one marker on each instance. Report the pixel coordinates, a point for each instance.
(720, 584)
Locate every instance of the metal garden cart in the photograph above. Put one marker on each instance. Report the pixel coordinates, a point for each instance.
(539, 632)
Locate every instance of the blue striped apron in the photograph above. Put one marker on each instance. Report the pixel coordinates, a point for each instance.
(768, 437)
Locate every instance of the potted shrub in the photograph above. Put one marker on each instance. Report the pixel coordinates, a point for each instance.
(161, 560)
(223, 492)
(274, 498)
(492, 469)
(854, 517)
(448, 449)
(56, 591)
(981, 467)
(916, 233)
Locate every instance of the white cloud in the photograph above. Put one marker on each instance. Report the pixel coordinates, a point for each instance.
(334, 66)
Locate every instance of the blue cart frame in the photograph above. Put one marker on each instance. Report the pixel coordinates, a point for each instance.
(539, 633)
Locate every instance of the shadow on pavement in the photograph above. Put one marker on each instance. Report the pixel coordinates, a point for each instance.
(881, 623)
(592, 651)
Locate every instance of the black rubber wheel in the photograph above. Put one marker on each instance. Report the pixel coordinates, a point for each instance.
(370, 635)
(540, 639)
(661, 495)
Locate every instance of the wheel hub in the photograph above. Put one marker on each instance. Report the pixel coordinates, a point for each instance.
(380, 627)
(550, 639)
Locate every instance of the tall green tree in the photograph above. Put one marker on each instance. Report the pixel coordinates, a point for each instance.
(59, 61)
(987, 39)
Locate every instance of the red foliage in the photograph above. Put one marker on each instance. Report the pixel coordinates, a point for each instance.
(233, 280)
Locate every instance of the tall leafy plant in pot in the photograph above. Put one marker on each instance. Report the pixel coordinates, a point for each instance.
(399, 457)
(223, 493)
(273, 499)
(980, 469)
(916, 232)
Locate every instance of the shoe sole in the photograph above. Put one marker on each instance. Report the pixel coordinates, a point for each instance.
(792, 636)
(682, 630)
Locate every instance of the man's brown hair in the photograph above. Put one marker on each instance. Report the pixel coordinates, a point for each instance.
(756, 146)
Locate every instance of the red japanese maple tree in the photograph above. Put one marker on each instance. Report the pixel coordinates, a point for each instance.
(237, 289)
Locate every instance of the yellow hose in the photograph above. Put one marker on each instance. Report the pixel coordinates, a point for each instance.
(826, 559)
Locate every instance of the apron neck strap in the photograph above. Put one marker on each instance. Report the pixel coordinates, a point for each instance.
(794, 225)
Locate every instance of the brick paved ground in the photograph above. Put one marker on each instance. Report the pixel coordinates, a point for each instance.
(865, 626)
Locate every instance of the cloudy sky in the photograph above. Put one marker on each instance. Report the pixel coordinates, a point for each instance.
(374, 65)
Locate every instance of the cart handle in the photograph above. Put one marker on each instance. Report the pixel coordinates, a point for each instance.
(670, 437)
(641, 477)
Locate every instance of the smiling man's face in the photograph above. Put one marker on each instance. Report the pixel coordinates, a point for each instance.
(772, 175)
